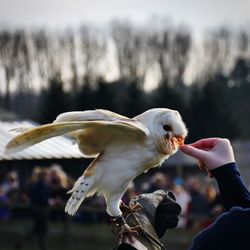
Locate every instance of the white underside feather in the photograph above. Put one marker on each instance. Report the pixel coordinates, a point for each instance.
(80, 191)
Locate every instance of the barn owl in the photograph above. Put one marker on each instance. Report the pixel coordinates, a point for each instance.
(123, 148)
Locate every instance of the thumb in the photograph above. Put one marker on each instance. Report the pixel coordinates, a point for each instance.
(195, 152)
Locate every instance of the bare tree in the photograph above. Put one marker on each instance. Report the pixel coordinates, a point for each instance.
(6, 57)
(243, 43)
(160, 45)
(48, 55)
(41, 51)
(217, 53)
(21, 59)
(180, 54)
(131, 51)
(93, 49)
(72, 50)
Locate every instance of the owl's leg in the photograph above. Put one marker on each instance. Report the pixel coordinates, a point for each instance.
(113, 209)
(131, 208)
(113, 205)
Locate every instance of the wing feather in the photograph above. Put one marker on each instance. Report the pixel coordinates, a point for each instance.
(132, 129)
(90, 115)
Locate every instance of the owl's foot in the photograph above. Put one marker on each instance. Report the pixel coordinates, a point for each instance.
(136, 207)
(126, 229)
(121, 227)
(126, 210)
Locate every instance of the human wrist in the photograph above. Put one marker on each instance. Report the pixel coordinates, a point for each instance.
(225, 169)
(218, 163)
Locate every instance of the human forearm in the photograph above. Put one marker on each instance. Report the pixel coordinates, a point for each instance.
(233, 190)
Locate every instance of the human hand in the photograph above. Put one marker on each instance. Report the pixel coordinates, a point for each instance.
(166, 215)
(159, 213)
(211, 152)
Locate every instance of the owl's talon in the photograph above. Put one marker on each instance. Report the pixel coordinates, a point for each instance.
(120, 227)
(126, 229)
(136, 207)
(126, 210)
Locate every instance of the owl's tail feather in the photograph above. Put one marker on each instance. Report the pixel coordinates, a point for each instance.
(82, 189)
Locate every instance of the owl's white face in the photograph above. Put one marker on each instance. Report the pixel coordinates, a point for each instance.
(166, 127)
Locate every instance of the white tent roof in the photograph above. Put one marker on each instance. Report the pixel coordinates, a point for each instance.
(55, 148)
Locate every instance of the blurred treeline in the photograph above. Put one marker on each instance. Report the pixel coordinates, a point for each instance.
(44, 73)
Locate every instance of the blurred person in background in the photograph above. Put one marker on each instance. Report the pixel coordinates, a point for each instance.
(214, 199)
(156, 182)
(4, 206)
(10, 186)
(183, 198)
(198, 209)
(59, 185)
(38, 192)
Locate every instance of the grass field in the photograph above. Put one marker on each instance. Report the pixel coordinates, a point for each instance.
(80, 237)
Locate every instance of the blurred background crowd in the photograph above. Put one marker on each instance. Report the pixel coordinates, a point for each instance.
(47, 188)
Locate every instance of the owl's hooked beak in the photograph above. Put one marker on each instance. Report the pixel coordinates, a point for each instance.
(170, 143)
(175, 140)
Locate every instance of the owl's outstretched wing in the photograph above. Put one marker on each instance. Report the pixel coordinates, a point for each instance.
(93, 135)
(90, 115)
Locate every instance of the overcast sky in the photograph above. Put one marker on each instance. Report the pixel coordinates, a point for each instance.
(197, 14)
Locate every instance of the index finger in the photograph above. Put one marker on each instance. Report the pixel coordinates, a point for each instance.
(205, 144)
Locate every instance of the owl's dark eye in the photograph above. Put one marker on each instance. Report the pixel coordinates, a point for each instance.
(167, 128)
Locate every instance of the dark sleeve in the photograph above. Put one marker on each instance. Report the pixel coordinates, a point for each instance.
(233, 190)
